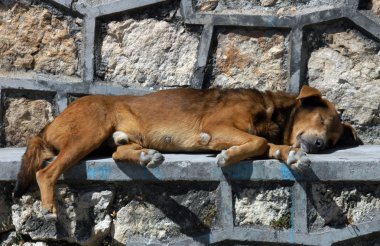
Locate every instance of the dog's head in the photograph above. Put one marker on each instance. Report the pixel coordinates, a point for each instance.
(316, 124)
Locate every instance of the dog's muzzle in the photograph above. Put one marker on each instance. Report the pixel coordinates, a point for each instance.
(311, 144)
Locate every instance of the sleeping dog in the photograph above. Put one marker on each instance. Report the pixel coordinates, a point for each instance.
(239, 123)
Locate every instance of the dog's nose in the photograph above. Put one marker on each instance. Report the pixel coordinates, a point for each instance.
(318, 143)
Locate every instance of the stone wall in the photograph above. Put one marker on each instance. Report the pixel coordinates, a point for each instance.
(52, 52)
(112, 214)
(345, 65)
(82, 48)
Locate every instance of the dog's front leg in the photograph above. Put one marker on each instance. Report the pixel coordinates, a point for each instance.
(237, 145)
(134, 153)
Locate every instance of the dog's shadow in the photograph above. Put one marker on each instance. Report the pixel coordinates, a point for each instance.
(146, 188)
(323, 211)
(170, 198)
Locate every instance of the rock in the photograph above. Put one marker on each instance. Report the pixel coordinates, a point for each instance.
(143, 220)
(146, 51)
(35, 244)
(25, 118)
(260, 205)
(157, 212)
(337, 206)
(5, 209)
(250, 59)
(268, 3)
(376, 7)
(347, 70)
(83, 218)
(9, 239)
(34, 39)
(206, 5)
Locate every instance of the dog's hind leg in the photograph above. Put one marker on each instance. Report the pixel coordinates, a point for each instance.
(136, 154)
(69, 155)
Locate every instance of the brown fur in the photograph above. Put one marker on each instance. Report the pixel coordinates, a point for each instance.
(240, 123)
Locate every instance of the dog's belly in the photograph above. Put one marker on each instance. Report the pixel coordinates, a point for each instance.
(171, 139)
(173, 142)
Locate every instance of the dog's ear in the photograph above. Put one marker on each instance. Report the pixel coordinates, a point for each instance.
(311, 97)
(307, 92)
(349, 136)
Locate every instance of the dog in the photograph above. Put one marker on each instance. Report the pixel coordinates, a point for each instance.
(240, 123)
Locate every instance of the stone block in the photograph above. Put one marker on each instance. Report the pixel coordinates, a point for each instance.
(84, 216)
(261, 205)
(250, 59)
(341, 205)
(25, 114)
(164, 212)
(149, 49)
(345, 65)
(38, 40)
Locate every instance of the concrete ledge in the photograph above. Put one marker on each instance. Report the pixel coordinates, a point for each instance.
(351, 164)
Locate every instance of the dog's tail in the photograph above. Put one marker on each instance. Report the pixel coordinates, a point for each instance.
(36, 153)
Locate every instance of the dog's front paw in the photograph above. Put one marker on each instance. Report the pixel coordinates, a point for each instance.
(151, 159)
(222, 159)
(298, 160)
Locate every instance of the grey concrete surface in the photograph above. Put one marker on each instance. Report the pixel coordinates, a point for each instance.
(350, 164)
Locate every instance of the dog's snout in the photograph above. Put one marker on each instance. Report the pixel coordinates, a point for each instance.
(311, 144)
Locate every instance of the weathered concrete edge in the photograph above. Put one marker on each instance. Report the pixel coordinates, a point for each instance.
(68, 87)
(64, 88)
(262, 20)
(355, 164)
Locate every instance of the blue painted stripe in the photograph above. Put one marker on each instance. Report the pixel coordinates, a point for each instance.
(99, 172)
(286, 174)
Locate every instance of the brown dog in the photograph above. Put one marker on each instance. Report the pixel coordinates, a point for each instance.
(239, 123)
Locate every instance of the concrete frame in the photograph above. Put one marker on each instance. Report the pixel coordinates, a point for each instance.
(360, 164)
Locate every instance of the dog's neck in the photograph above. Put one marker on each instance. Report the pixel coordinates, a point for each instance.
(282, 115)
